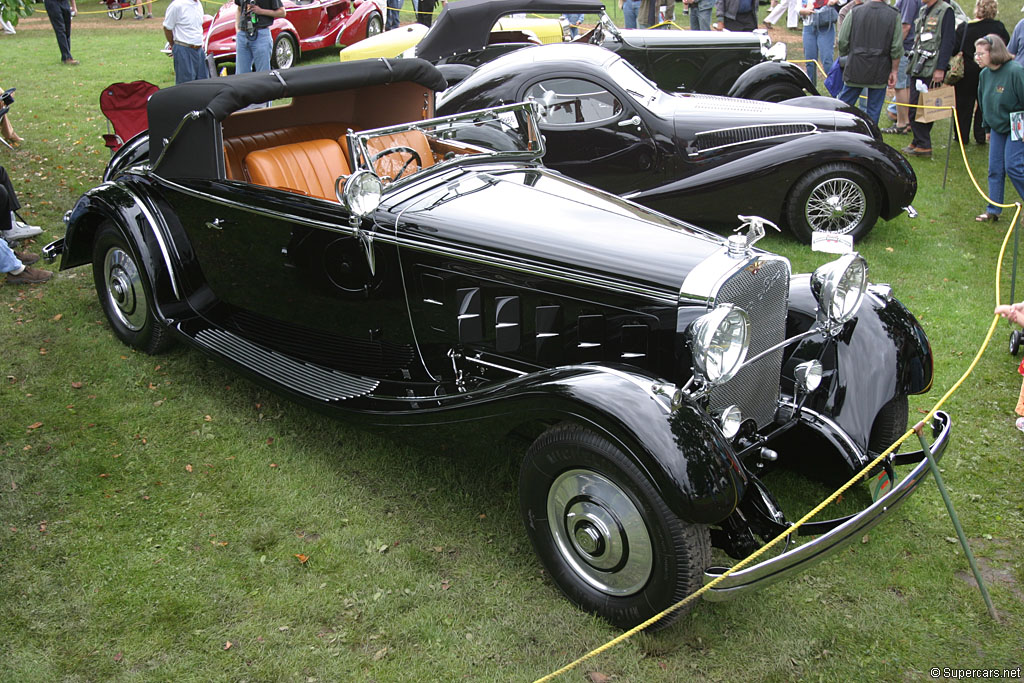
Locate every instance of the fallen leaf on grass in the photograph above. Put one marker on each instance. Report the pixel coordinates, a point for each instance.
(207, 418)
(598, 677)
(188, 468)
(302, 558)
(104, 475)
(273, 464)
(35, 425)
(42, 352)
(76, 385)
(55, 318)
(379, 654)
(227, 645)
(42, 527)
(118, 657)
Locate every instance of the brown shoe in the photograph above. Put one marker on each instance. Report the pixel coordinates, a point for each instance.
(912, 151)
(70, 62)
(29, 276)
(26, 258)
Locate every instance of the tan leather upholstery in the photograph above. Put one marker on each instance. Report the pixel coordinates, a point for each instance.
(307, 167)
(238, 147)
(391, 164)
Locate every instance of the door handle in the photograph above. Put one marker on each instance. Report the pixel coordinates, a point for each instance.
(216, 223)
(635, 121)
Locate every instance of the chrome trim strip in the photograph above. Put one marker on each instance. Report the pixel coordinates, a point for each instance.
(480, 361)
(781, 345)
(800, 558)
(386, 237)
(810, 129)
(823, 423)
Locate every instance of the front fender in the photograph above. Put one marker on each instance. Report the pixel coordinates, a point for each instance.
(682, 451)
(770, 73)
(882, 353)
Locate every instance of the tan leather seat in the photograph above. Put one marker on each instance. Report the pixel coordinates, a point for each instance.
(309, 167)
(391, 164)
(238, 147)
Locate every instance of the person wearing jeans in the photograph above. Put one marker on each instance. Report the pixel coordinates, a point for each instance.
(700, 14)
(819, 35)
(1000, 93)
(630, 8)
(253, 43)
(183, 29)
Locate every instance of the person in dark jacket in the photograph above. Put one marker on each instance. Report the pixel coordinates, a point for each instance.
(967, 88)
(735, 15)
(934, 38)
(871, 39)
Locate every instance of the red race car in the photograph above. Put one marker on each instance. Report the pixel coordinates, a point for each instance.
(307, 25)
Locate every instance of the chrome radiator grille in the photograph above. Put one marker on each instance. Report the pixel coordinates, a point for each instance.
(761, 288)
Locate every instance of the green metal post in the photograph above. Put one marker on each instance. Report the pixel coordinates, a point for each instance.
(918, 429)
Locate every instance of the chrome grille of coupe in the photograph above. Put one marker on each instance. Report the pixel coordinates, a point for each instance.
(761, 288)
(726, 137)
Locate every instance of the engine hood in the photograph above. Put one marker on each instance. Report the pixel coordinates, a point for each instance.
(712, 112)
(573, 231)
(686, 40)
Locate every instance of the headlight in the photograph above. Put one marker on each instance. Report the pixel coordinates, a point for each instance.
(719, 343)
(839, 288)
(361, 193)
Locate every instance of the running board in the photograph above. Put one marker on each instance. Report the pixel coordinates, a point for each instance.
(311, 380)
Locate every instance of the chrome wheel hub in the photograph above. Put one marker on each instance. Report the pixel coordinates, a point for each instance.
(283, 53)
(836, 205)
(124, 289)
(600, 532)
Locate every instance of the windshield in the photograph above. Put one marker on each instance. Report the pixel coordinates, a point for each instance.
(633, 82)
(398, 152)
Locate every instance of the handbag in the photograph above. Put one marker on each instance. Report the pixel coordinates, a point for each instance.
(955, 71)
(825, 17)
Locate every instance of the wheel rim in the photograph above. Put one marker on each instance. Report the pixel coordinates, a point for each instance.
(599, 532)
(284, 53)
(836, 205)
(374, 27)
(126, 298)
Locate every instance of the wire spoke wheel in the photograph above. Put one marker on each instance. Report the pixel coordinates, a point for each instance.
(836, 205)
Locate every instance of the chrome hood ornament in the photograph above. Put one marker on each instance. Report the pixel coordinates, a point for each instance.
(739, 245)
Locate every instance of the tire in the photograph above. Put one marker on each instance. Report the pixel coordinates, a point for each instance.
(889, 425)
(374, 25)
(1015, 339)
(775, 92)
(115, 14)
(627, 556)
(285, 51)
(126, 294)
(838, 198)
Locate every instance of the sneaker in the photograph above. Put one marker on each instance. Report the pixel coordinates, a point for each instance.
(912, 151)
(26, 258)
(29, 276)
(1020, 423)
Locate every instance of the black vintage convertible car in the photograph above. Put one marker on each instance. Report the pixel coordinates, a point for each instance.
(362, 256)
(811, 163)
(735, 64)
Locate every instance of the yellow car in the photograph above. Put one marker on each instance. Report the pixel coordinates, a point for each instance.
(507, 30)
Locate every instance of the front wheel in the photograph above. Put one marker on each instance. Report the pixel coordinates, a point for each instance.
(285, 51)
(602, 531)
(836, 198)
(126, 294)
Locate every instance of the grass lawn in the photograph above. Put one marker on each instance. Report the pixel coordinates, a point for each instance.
(163, 519)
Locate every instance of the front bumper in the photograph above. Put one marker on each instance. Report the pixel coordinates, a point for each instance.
(797, 560)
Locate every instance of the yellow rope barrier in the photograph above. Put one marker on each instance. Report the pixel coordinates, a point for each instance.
(853, 480)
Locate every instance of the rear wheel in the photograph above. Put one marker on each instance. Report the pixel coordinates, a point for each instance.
(608, 540)
(374, 25)
(115, 14)
(285, 51)
(125, 293)
(775, 92)
(836, 198)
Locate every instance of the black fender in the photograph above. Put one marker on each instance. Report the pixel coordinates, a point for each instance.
(738, 185)
(134, 151)
(140, 225)
(453, 73)
(770, 73)
(880, 354)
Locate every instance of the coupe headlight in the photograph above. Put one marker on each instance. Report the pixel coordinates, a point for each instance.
(719, 343)
(839, 288)
(362, 193)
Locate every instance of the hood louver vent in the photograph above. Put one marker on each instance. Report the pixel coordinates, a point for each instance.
(726, 137)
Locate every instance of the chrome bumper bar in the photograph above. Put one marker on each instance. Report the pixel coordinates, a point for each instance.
(52, 250)
(800, 558)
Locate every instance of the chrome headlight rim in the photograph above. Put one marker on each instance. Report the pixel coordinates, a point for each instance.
(839, 288)
(361, 193)
(724, 319)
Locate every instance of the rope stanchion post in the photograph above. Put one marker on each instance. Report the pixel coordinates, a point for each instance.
(933, 466)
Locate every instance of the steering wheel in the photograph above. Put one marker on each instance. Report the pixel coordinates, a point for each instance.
(399, 149)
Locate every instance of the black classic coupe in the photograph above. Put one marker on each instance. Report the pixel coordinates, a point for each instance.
(362, 256)
(812, 163)
(736, 64)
